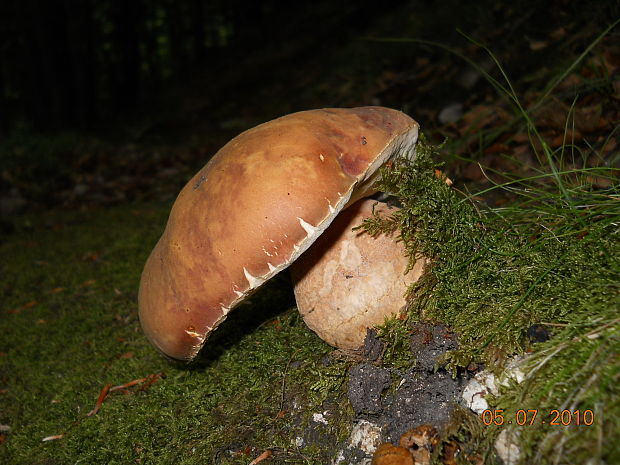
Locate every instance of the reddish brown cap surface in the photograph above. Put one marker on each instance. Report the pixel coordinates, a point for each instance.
(260, 202)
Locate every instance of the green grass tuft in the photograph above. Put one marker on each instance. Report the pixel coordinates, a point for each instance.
(549, 259)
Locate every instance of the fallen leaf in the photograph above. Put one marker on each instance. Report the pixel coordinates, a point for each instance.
(261, 457)
(590, 118)
(146, 381)
(558, 33)
(569, 137)
(102, 395)
(582, 234)
(497, 148)
(91, 257)
(521, 137)
(609, 146)
(536, 45)
(18, 310)
(450, 452)
(599, 182)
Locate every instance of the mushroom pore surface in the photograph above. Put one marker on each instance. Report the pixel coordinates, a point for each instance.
(349, 281)
(259, 203)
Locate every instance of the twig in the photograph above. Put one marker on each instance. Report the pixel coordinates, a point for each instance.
(261, 457)
(146, 383)
(102, 395)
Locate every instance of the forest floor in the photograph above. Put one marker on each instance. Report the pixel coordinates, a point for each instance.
(534, 160)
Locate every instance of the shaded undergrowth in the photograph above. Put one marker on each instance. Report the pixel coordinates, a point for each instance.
(546, 258)
(69, 327)
(549, 261)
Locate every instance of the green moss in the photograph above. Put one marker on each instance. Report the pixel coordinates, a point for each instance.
(550, 259)
(247, 394)
(395, 333)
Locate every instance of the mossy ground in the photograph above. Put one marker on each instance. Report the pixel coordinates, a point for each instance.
(69, 327)
(550, 260)
(548, 256)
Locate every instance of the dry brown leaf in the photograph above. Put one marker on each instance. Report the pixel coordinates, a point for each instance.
(102, 395)
(521, 137)
(558, 33)
(265, 455)
(497, 148)
(481, 116)
(537, 45)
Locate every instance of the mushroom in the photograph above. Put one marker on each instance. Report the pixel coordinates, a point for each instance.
(415, 447)
(421, 441)
(349, 281)
(254, 208)
(389, 454)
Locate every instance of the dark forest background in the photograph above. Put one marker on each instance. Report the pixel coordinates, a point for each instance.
(71, 63)
(108, 101)
(109, 107)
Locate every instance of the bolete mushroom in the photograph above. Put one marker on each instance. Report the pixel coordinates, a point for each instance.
(254, 208)
(389, 454)
(349, 281)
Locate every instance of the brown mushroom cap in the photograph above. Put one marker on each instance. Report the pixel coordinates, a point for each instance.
(257, 205)
(349, 281)
(389, 454)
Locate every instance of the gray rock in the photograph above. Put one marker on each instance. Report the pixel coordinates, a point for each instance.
(366, 383)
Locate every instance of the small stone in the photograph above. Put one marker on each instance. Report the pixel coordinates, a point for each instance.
(12, 203)
(365, 436)
(474, 396)
(80, 189)
(485, 383)
(451, 113)
(506, 447)
(319, 418)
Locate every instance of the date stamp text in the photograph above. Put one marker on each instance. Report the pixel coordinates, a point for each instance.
(530, 417)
